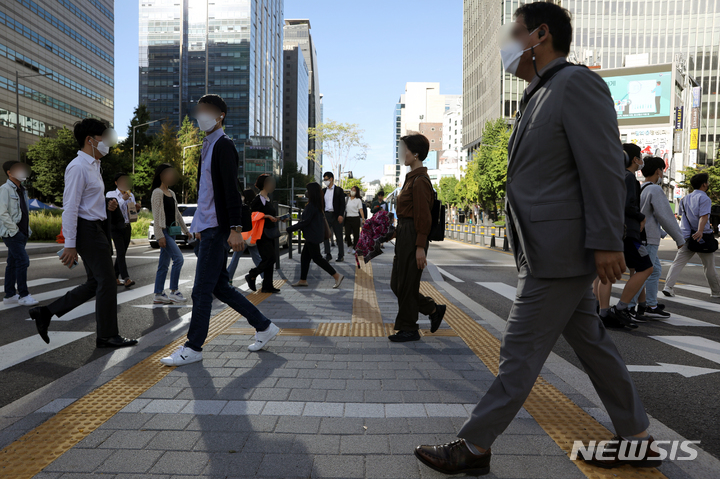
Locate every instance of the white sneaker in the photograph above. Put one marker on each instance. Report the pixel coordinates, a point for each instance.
(176, 297)
(669, 292)
(27, 301)
(182, 356)
(161, 298)
(715, 295)
(12, 299)
(264, 337)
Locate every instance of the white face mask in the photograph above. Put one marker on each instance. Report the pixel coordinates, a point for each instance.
(326, 183)
(206, 122)
(21, 176)
(352, 193)
(511, 52)
(102, 148)
(640, 166)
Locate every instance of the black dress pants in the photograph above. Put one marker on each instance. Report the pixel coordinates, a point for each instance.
(121, 238)
(266, 248)
(311, 252)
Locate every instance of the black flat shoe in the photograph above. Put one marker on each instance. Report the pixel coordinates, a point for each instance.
(251, 282)
(42, 317)
(404, 336)
(115, 342)
(340, 259)
(271, 290)
(437, 317)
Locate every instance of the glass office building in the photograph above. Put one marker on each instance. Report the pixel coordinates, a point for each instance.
(605, 34)
(232, 48)
(295, 109)
(62, 52)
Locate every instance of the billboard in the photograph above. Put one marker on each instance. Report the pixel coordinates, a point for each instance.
(652, 142)
(641, 95)
(431, 162)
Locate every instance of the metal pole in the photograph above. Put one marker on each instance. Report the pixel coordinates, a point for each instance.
(292, 205)
(134, 149)
(17, 111)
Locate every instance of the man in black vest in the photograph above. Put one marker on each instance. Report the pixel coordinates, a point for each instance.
(334, 199)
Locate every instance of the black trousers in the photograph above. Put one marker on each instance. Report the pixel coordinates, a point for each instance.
(94, 249)
(311, 251)
(337, 229)
(121, 238)
(405, 279)
(352, 228)
(266, 248)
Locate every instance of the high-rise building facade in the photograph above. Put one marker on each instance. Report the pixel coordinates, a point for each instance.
(297, 32)
(232, 48)
(295, 109)
(62, 54)
(605, 34)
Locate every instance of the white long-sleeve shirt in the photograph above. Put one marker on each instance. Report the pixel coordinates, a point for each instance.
(83, 197)
(122, 204)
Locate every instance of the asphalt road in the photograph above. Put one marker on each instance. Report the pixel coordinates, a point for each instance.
(688, 405)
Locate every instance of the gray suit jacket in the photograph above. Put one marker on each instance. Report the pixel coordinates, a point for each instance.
(565, 188)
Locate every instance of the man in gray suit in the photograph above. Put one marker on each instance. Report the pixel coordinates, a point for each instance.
(565, 209)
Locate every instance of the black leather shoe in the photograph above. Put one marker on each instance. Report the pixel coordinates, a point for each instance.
(42, 317)
(437, 317)
(340, 259)
(404, 336)
(640, 449)
(250, 282)
(454, 458)
(270, 290)
(115, 342)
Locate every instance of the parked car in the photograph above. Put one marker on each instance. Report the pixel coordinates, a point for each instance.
(187, 212)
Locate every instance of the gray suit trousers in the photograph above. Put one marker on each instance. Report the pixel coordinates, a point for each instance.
(543, 310)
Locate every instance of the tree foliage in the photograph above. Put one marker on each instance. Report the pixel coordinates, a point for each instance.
(714, 173)
(447, 190)
(290, 171)
(189, 135)
(342, 143)
(48, 159)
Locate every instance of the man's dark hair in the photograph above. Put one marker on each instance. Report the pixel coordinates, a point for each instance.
(417, 144)
(120, 175)
(381, 193)
(557, 18)
(652, 164)
(216, 101)
(8, 165)
(88, 127)
(633, 151)
(698, 180)
(328, 174)
(260, 182)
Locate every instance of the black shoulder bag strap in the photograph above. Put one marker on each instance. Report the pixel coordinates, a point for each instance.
(543, 80)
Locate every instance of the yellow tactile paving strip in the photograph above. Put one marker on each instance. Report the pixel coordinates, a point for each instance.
(563, 420)
(31, 453)
(343, 329)
(366, 309)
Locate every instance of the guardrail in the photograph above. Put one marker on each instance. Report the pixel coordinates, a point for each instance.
(479, 235)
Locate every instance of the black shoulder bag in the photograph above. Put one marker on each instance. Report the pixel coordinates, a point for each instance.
(706, 244)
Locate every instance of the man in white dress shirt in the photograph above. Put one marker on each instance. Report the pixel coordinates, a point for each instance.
(85, 230)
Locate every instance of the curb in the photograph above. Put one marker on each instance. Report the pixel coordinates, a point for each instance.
(52, 248)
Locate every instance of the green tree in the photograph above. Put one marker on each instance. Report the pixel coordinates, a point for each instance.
(714, 173)
(142, 139)
(388, 188)
(145, 164)
(48, 159)
(347, 183)
(285, 182)
(190, 142)
(447, 190)
(341, 144)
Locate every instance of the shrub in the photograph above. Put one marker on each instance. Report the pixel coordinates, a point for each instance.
(140, 227)
(45, 225)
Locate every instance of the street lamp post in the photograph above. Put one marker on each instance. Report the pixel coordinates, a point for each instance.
(17, 104)
(137, 126)
(183, 171)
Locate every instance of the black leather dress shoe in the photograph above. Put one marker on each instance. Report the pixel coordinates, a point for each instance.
(250, 282)
(115, 342)
(635, 453)
(437, 317)
(270, 290)
(42, 317)
(404, 336)
(454, 458)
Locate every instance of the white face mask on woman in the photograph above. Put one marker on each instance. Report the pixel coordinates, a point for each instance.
(352, 193)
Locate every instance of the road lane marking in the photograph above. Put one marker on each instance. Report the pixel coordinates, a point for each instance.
(696, 345)
(697, 303)
(477, 265)
(502, 289)
(28, 348)
(686, 371)
(40, 297)
(124, 297)
(452, 277)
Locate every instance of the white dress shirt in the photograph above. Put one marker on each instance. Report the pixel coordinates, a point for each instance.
(329, 194)
(122, 204)
(83, 196)
(206, 215)
(353, 207)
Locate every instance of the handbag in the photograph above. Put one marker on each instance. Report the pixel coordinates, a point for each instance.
(706, 244)
(174, 229)
(132, 212)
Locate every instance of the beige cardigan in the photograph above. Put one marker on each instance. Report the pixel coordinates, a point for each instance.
(158, 210)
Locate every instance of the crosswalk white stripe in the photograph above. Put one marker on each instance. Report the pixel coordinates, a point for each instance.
(452, 277)
(56, 293)
(124, 297)
(43, 281)
(697, 303)
(477, 265)
(28, 348)
(676, 320)
(692, 287)
(502, 289)
(703, 347)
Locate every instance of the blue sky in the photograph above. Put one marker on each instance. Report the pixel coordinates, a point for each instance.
(367, 51)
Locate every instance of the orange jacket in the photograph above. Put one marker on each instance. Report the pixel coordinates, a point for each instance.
(258, 224)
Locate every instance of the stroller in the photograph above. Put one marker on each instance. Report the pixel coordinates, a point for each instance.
(377, 230)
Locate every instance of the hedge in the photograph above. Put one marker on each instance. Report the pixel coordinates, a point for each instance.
(47, 224)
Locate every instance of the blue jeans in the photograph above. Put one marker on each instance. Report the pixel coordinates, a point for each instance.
(17, 265)
(211, 278)
(651, 285)
(254, 254)
(170, 251)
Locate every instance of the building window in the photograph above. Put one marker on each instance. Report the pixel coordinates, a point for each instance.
(433, 128)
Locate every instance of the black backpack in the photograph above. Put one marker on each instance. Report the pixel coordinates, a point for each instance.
(437, 230)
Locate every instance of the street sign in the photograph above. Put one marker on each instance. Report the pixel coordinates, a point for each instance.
(679, 118)
(678, 193)
(695, 118)
(694, 135)
(696, 92)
